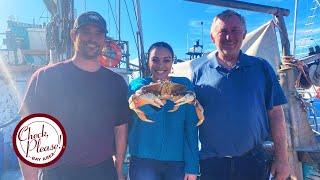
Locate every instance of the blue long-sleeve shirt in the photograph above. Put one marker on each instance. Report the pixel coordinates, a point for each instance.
(173, 136)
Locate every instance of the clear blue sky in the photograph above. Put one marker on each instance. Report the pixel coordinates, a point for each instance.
(174, 21)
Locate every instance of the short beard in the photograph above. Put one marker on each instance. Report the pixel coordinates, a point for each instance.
(88, 56)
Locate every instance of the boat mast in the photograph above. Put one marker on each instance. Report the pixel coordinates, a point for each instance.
(119, 21)
(294, 27)
(142, 60)
(58, 39)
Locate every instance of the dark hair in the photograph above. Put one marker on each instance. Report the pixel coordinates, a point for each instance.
(160, 44)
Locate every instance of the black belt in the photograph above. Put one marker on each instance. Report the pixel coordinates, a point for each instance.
(253, 151)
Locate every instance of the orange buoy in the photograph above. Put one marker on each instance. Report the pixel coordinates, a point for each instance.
(111, 55)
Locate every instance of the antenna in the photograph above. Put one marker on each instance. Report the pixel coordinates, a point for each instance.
(119, 21)
(187, 42)
(295, 27)
(202, 33)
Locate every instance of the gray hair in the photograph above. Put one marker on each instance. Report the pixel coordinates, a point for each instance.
(227, 14)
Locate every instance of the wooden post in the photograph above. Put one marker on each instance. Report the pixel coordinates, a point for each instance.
(300, 135)
(287, 81)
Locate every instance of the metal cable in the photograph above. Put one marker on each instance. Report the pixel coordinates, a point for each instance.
(135, 8)
(114, 18)
(135, 40)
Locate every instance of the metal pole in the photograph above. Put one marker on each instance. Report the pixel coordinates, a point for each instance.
(119, 21)
(187, 42)
(294, 27)
(142, 57)
(201, 34)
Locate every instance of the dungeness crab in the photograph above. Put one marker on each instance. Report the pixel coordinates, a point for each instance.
(158, 93)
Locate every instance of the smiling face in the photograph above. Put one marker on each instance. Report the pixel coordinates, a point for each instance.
(88, 41)
(227, 34)
(160, 63)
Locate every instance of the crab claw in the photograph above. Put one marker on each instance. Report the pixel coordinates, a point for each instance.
(199, 112)
(138, 100)
(142, 116)
(188, 98)
(150, 98)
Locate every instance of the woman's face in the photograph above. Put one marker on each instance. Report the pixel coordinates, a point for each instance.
(160, 63)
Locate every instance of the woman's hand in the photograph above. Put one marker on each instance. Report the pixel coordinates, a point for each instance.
(137, 100)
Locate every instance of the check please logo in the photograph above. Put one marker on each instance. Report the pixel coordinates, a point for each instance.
(39, 140)
(34, 140)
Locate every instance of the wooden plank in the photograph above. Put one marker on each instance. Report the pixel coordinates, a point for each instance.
(310, 156)
(246, 6)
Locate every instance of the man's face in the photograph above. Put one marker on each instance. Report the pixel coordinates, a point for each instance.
(88, 41)
(228, 35)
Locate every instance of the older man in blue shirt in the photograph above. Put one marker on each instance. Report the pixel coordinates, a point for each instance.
(242, 100)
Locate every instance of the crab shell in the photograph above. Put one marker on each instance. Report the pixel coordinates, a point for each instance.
(166, 90)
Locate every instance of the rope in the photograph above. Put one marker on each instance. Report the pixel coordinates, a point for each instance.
(290, 62)
(135, 40)
(114, 18)
(135, 10)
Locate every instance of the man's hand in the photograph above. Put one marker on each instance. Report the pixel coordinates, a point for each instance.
(280, 170)
(119, 164)
(190, 177)
(121, 146)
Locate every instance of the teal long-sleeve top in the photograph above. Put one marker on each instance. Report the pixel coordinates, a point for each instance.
(173, 136)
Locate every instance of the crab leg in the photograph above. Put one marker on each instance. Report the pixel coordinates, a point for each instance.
(188, 98)
(185, 99)
(199, 111)
(138, 100)
(142, 116)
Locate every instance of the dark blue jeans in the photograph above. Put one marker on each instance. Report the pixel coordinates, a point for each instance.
(251, 166)
(149, 169)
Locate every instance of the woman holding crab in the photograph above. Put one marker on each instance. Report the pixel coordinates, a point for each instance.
(163, 138)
